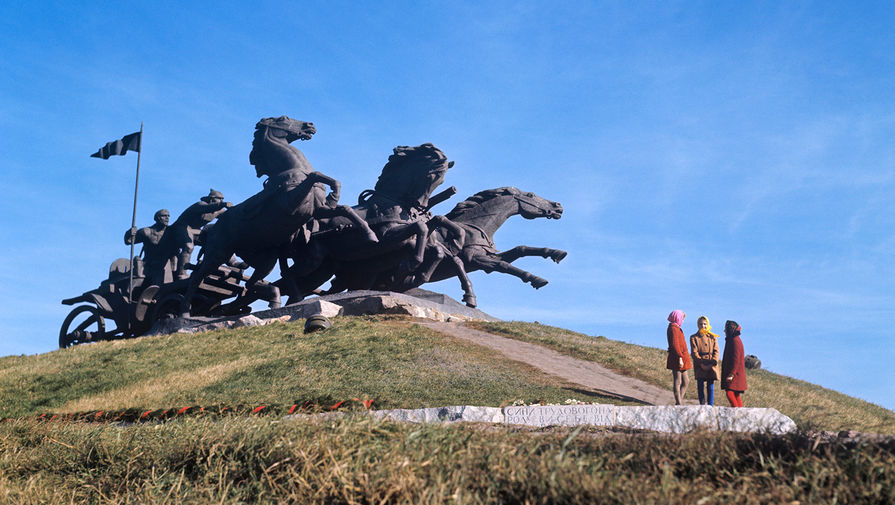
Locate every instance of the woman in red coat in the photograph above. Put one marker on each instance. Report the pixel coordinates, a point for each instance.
(733, 365)
(678, 357)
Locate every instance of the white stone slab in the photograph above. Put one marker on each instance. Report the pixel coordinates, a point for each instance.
(754, 420)
(667, 419)
(560, 415)
(318, 306)
(443, 414)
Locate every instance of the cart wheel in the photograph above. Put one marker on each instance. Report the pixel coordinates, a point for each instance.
(166, 308)
(84, 324)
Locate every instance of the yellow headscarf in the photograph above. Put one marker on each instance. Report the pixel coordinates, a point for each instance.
(708, 327)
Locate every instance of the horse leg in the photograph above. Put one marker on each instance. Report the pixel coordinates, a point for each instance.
(492, 263)
(305, 262)
(251, 292)
(312, 282)
(468, 294)
(434, 256)
(300, 286)
(421, 231)
(524, 250)
(262, 269)
(456, 230)
(269, 293)
(396, 234)
(352, 215)
(333, 209)
(286, 282)
(332, 199)
(436, 260)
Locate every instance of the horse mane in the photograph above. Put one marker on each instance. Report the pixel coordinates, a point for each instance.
(406, 163)
(478, 198)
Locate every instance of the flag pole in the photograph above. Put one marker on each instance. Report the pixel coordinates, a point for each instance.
(130, 284)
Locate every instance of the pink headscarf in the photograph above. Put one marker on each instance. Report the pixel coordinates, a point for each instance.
(676, 317)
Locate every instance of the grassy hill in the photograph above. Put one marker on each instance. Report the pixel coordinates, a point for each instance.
(358, 460)
(812, 407)
(391, 360)
(388, 359)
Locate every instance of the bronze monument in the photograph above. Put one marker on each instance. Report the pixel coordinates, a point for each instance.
(389, 241)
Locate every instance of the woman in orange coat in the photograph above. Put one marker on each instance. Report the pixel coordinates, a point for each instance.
(678, 357)
(733, 365)
(704, 351)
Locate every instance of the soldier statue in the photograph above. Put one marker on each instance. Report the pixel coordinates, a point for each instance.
(154, 260)
(180, 237)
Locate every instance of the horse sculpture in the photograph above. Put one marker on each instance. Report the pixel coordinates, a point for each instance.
(479, 216)
(396, 210)
(389, 241)
(257, 229)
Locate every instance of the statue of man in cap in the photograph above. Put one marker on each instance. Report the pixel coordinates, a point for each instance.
(180, 237)
(151, 237)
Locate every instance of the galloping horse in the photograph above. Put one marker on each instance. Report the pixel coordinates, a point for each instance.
(257, 229)
(479, 216)
(396, 210)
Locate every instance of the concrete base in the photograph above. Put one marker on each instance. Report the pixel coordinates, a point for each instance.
(416, 303)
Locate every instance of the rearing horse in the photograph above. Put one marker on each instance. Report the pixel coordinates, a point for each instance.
(257, 229)
(396, 209)
(480, 216)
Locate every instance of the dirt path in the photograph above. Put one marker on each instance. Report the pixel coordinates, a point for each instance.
(588, 374)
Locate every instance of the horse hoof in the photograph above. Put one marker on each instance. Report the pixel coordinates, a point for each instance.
(538, 282)
(469, 301)
(559, 256)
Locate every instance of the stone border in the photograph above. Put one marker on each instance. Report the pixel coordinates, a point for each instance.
(667, 419)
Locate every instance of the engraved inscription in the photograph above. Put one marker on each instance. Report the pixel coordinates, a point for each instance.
(560, 415)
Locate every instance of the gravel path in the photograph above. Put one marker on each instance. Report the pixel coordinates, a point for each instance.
(588, 374)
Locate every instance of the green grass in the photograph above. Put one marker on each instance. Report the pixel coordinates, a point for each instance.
(356, 460)
(809, 405)
(393, 361)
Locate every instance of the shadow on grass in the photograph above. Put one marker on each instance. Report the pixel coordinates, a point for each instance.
(606, 395)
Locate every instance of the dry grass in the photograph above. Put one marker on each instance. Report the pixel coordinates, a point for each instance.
(811, 406)
(156, 390)
(357, 460)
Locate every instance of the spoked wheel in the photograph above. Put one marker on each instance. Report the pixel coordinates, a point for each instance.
(82, 325)
(166, 308)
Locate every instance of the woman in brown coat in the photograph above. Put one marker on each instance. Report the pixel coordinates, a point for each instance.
(678, 358)
(704, 350)
(733, 366)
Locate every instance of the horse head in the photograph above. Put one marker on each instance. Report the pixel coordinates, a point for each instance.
(505, 202)
(412, 174)
(532, 206)
(488, 210)
(271, 153)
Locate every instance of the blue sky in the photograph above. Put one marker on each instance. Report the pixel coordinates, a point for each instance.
(734, 160)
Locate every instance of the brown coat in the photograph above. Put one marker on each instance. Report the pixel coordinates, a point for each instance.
(733, 366)
(677, 349)
(704, 350)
